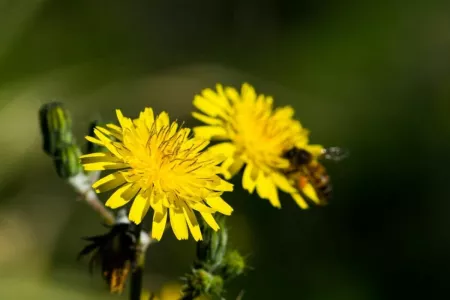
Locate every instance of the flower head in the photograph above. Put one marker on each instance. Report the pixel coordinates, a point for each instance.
(115, 252)
(254, 135)
(159, 166)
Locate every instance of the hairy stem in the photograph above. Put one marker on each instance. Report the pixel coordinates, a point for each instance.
(82, 185)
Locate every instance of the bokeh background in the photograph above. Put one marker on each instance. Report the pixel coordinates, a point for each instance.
(371, 76)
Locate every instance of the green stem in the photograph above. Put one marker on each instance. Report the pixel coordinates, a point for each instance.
(138, 271)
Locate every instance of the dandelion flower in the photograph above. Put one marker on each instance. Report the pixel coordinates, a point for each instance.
(159, 166)
(253, 135)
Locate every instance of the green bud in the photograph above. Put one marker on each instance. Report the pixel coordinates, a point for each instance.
(67, 161)
(233, 265)
(56, 126)
(211, 250)
(201, 282)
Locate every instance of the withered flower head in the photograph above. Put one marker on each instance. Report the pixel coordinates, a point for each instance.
(115, 252)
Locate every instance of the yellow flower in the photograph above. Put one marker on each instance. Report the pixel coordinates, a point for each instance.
(159, 166)
(255, 135)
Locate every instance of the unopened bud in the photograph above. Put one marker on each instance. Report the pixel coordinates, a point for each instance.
(56, 126)
(201, 282)
(67, 161)
(233, 265)
(211, 250)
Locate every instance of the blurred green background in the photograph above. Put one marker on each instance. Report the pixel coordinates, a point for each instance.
(371, 76)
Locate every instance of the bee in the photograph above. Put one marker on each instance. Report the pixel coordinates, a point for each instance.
(305, 168)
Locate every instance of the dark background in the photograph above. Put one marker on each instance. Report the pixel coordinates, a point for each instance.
(372, 77)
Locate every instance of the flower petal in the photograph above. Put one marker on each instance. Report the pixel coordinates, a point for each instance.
(109, 182)
(208, 108)
(300, 201)
(267, 190)
(282, 183)
(94, 140)
(220, 205)
(248, 93)
(122, 196)
(226, 149)
(162, 120)
(209, 219)
(100, 166)
(231, 166)
(200, 207)
(310, 192)
(178, 223)
(224, 186)
(140, 207)
(159, 223)
(249, 178)
(315, 150)
(98, 157)
(208, 132)
(206, 119)
(193, 225)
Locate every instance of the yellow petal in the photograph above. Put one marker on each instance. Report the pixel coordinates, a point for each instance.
(300, 201)
(248, 93)
(209, 219)
(148, 117)
(224, 186)
(282, 183)
(122, 196)
(100, 166)
(114, 127)
(109, 182)
(208, 132)
(315, 150)
(267, 190)
(94, 140)
(226, 149)
(249, 178)
(109, 132)
(139, 208)
(98, 157)
(232, 94)
(201, 207)
(208, 107)
(220, 205)
(285, 112)
(206, 119)
(311, 193)
(159, 223)
(232, 166)
(193, 225)
(162, 120)
(107, 143)
(178, 223)
(124, 122)
(218, 98)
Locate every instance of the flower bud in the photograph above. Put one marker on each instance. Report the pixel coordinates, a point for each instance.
(56, 126)
(67, 161)
(211, 250)
(233, 265)
(201, 282)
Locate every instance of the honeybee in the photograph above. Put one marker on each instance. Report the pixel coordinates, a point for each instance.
(304, 168)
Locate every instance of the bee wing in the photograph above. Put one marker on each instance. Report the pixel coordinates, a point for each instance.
(335, 153)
